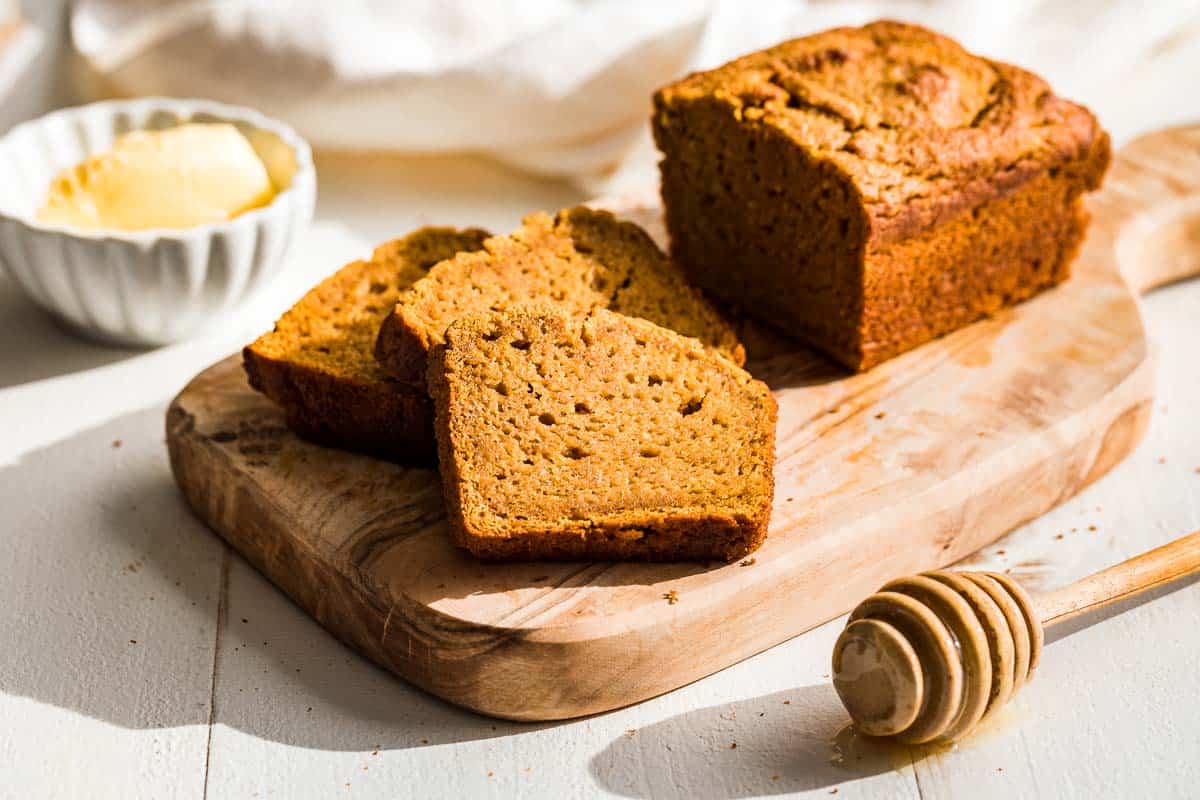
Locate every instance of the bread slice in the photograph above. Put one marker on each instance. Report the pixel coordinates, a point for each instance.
(317, 363)
(573, 437)
(581, 259)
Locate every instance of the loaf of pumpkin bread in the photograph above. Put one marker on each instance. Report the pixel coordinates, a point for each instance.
(598, 436)
(317, 363)
(869, 189)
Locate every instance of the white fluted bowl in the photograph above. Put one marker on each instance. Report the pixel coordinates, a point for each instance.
(144, 287)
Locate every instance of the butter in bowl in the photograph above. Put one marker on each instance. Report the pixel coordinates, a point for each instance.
(193, 174)
(143, 222)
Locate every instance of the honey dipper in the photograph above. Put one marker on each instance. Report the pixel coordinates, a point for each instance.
(927, 657)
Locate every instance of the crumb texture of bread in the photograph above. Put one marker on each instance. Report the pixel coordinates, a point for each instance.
(599, 436)
(869, 189)
(317, 363)
(581, 259)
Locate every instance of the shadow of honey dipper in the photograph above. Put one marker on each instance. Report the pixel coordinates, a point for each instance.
(927, 657)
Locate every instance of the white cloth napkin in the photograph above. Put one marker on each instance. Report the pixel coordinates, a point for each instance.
(19, 43)
(563, 86)
(558, 86)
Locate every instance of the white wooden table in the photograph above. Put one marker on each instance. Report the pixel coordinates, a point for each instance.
(140, 658)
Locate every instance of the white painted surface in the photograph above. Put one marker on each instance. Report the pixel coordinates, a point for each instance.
(98, 550)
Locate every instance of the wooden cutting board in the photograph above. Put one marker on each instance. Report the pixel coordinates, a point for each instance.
(909, 467)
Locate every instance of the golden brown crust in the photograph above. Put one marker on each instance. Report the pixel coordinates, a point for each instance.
(599, 437)
(790, 175)
(582, 259)
(317, 363)
(367, 416)
(402, 346)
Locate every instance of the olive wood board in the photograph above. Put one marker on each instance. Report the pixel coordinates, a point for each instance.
(908, 467)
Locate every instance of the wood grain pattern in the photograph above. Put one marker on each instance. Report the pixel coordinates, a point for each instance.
(909, 467)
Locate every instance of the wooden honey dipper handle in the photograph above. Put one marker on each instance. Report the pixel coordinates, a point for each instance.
(1139, 574)
(927, 657)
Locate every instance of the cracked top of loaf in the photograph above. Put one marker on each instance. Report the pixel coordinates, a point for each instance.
(907, 113)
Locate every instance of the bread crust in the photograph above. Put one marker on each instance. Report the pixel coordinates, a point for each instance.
(810, 181)
(387, 421)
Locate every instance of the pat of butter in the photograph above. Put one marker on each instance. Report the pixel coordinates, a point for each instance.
(173, 178)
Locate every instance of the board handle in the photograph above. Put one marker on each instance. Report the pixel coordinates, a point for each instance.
(1140, 574)
(1152, 200)
(1161, 246)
